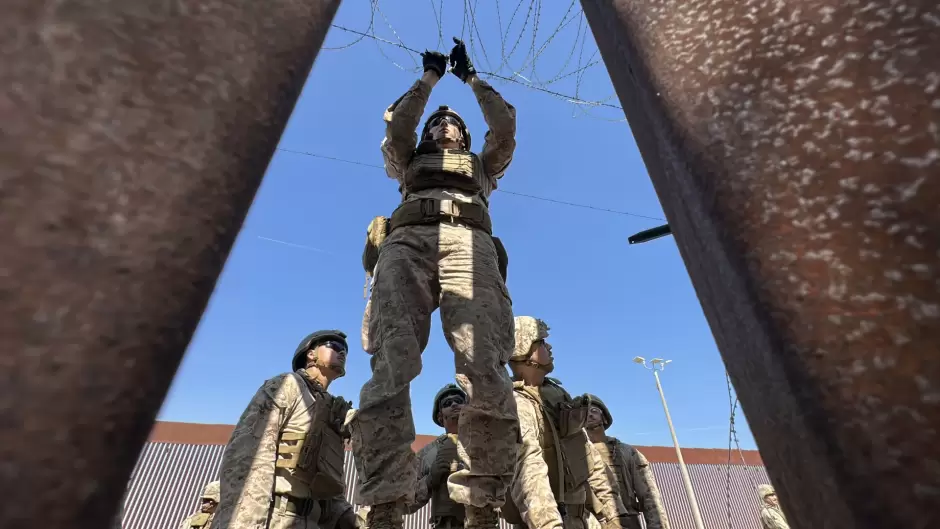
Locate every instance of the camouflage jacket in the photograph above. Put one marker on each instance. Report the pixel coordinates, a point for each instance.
(187, 522)
(531, 489)
(248, 475)
(773, 518)
(401, 138)
(635, 482)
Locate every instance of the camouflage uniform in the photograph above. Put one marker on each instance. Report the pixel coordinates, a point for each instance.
(557, 463)
(635, 484)
(451, 264)
(283, 465)
(771, 516)
(203, 520)
(445, 512)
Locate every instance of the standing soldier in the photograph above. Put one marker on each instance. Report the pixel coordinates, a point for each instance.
(283, 465)
(203, 518)
(439, 252)
(438, 460)
(771, 516)
(635, 484)
(559, 475)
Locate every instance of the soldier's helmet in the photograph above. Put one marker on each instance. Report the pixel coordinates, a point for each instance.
(212, 492)
(528, 331)
(446, 391)
(596, 401)
(765, 490)
(442, 111)
(312, 340)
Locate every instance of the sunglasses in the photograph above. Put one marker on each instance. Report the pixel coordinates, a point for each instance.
(445, 119)
(452, 401)
(334, 345)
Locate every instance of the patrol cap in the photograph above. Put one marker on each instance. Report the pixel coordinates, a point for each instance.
(449, 389)
(212, 492)
(445, 110)
(528, 331)
(765, 490)
(596, 401)
(312, 340)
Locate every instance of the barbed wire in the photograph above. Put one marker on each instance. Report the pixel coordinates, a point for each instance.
(527, 74)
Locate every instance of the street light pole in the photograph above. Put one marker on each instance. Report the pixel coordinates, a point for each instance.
(658, 364)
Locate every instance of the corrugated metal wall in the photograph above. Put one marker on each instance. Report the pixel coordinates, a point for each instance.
(165, 486)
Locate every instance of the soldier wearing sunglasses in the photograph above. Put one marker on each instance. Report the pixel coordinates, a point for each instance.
(438, 460)
(283, 465)
(437, 251)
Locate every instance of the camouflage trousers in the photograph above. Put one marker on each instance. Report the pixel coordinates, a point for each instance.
(421, 268)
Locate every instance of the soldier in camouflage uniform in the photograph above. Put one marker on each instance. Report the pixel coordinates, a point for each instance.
(439, 252)
(203, 519)
(439, 459)
(283, 465)
(771, 515)
(635, 484)
(559, 475)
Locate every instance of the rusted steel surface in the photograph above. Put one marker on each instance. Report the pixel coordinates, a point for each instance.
(795, 147)
(134, 136)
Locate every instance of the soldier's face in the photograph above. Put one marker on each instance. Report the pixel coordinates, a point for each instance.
(208, 506)
(542, 353)
(450, 407)
(771, 499)
(445, 129)
(595, 418)
(332, 357)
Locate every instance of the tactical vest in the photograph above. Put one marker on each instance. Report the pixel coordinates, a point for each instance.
(563, 445)
(613, 457)
(201, 520)
(447, 168)
(316, 455)
(441, 504)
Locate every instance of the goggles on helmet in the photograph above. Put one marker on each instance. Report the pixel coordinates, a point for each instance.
(444, 119)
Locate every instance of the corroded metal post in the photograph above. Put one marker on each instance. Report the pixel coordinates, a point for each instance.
(795, 147)
(134, 136)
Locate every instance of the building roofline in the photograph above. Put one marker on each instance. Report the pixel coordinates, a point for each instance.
(218, 434)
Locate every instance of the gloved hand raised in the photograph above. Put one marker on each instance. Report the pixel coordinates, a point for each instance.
(460, 61)
(434, 61)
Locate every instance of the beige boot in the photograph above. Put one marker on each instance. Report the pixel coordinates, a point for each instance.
(386, 516)
(481, 518)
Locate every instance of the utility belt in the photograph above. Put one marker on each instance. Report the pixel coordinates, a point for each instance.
(298, 506)
(429, 211)
(432, 210)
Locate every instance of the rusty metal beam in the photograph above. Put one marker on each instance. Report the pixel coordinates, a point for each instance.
(795, 149)
(134, 136)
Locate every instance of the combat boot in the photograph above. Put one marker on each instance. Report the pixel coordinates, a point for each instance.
(481, 518)
(386, 516)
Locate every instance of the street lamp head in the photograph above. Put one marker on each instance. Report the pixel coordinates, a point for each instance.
(656, 361)
(666, 362)
(639, 360)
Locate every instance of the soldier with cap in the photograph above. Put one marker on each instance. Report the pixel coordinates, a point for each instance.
(634, 484)
(559, 476)
(283, 465)
(771, 515)
(439, 459)
(209, 502)
(437, 251)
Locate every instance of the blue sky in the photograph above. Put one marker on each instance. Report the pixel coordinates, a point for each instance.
(295, 267)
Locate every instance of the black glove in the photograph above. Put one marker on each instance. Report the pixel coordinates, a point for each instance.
(440, 471)
(460, 61)
(434, 61)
